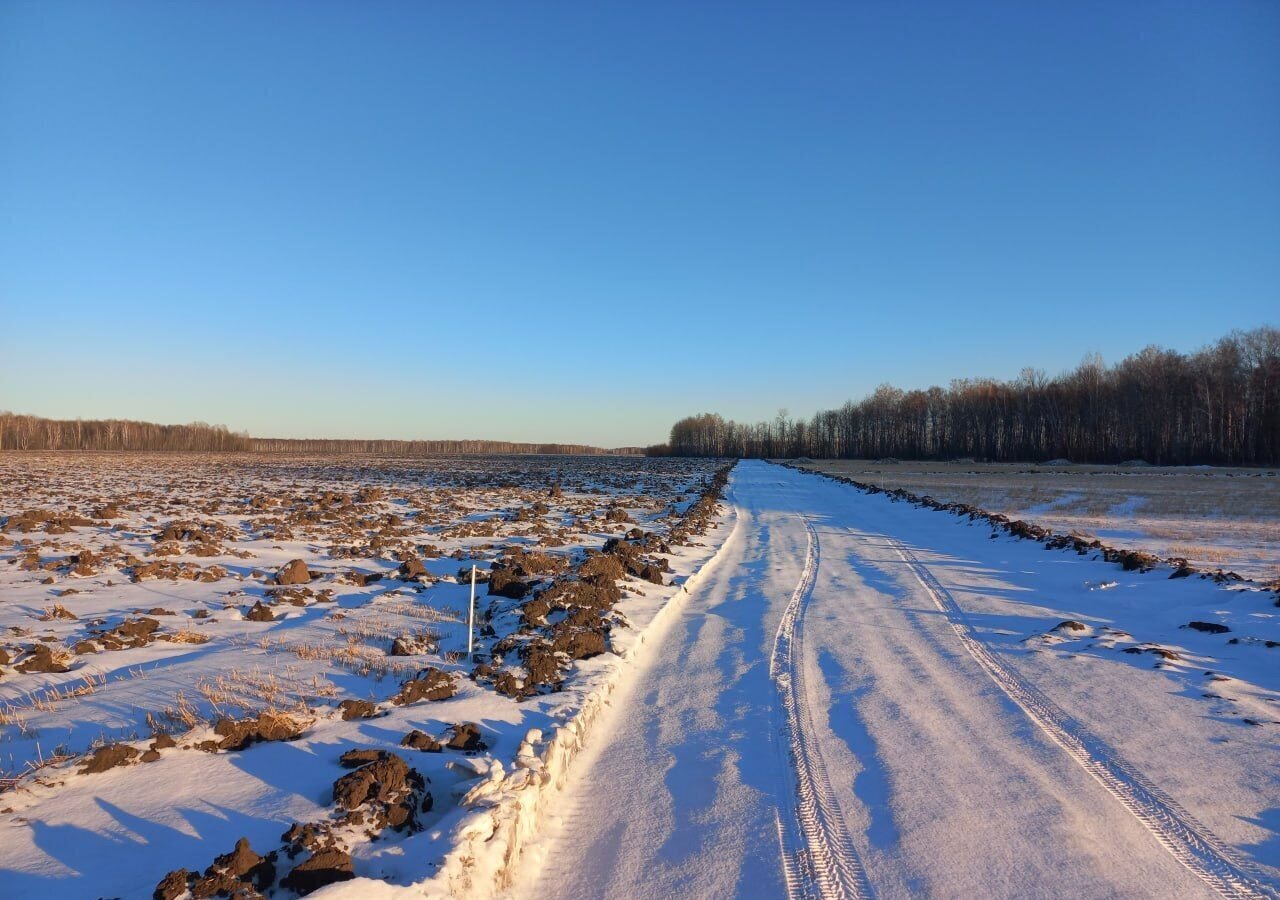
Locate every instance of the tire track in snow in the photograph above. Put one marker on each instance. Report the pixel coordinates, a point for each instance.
(1190, 842)
(820, 860)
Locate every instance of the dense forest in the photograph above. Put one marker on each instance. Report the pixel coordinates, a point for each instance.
(34, 433)
(1219, 405)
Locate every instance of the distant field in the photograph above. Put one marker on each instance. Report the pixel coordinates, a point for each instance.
(1215, 517)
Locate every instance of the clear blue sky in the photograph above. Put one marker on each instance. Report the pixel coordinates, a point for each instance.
(578, 222)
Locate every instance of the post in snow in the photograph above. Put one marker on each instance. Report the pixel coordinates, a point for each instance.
(471, 615)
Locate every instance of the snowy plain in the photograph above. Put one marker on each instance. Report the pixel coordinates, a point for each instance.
(194, 544)
(832, 694)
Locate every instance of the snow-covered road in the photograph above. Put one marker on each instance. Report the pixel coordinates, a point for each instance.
(855, 703)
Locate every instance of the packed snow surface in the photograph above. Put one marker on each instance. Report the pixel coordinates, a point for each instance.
(865, 698)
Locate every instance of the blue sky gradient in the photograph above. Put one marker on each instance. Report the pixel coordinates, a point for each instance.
(578, 222)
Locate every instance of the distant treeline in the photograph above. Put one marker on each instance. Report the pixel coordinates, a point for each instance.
(1220, 405)
(35, 433)
(430, 448)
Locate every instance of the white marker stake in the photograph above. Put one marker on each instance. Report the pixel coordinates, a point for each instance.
(471, 616)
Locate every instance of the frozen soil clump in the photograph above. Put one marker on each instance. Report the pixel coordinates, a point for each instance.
(238, 734)
(429, 684)
(241, 874)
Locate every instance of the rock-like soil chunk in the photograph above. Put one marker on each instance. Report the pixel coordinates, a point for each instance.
(294, 572)
(466, 736)
(173, 886)
(241, 874)
(41, 659)
(420, 740)
(357, 709)
(383, 792)
(431, 684)
(411, 645)
(413, 568)
(506, 582)
(1070, 625)
(320, 869)
(1208, 627)
(260, 613)
(108, 757)
(237, 734)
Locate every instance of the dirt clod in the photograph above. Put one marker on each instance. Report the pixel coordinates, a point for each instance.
(466, 737)
(294, 572)
(1070, 625)
(241, 733)
(41, 659)
(108, 757)
(357, 709)
(1208, 627)
(323, 868)
(420, 740)
(506, 582)
(260, 613)
(172, 886)
(430, 684)
(413, 568)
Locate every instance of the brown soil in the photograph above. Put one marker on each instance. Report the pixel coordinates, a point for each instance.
(241, 874)
(323, 868)
(413, 568)
(603, 565)
(241, 733)
(260, 613)
(357, 709)
(383, 792)
(1208, 627)
(420, 740)
(108, 757)
(577, 643)
(506, 582)
(411, 645)
(542, 666)
(41, 659)
(431, 684)
(173, 886)
(294, 572)
(466, 737)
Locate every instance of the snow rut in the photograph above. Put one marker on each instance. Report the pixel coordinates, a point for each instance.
(1190, 842)
(818, 856)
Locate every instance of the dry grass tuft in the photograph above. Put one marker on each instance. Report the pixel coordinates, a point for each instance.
(189, 636)
(47, 700)
(57, 611)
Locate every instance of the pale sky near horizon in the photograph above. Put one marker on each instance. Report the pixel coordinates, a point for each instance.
(581, 221)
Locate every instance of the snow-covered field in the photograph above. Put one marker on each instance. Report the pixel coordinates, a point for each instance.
(1216, 518)
(864, 697)
(805, 690)
(194, 646)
